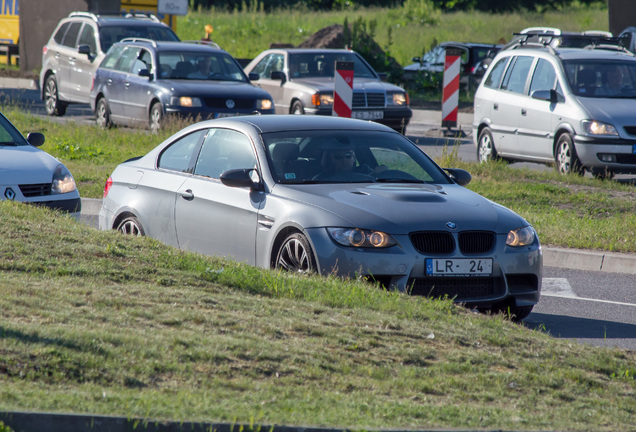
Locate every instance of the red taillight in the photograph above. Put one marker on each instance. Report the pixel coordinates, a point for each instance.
(107, 186)
(45, 49)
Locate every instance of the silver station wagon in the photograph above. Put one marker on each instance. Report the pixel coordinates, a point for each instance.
(572, 107)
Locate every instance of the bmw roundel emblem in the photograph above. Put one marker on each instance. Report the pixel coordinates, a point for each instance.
(229, 103)
(9, 193)
(451, 225)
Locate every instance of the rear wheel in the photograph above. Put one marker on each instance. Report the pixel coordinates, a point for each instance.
(52, 103)
(567, 162)
(298, 108)
(131, 226)
(295, 255)
(102, 114)
(156, 117)
(486, 151)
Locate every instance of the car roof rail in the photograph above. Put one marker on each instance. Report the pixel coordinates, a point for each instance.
(85, 15)
(138, 39)
(139, 15)
(534, 44)
(204, 42)
(540, 30)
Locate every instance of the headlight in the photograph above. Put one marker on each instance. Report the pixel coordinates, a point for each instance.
(399, 99)
(186, 101)
(264, 104)
(521, 237)
(593, 127)
(320, 99)
(356, 237)
(63, 181)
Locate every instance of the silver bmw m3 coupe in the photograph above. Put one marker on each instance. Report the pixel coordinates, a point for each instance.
(332, 196)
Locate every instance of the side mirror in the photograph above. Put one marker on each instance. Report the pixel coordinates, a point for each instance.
(459, 176)
(36, 139)
(383, 76)
(278, 75)
(144, 73)
(84, 49)
(546, 95)
(416, 59)
(254, 76)
(242, 177)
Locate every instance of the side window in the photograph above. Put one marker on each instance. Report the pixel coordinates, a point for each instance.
(70, 38)
(178, 156)
(112, 56)
(544, 76)
(127, 59)
(144, 61)
(273, 62)
(496, 72)
(59, 35)
(261, 65)
(88, 38)
(517, 75)
(224, 150)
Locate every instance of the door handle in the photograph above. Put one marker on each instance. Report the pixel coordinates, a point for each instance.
(110, 81)
(127, 83)
(187, 194)
(495, 106)
(524, 111)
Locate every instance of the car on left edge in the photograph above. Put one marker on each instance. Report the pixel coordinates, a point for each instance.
(141, 81)
(30, 175)
(328, 195)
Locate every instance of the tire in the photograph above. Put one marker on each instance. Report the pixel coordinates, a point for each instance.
(102, 114)
(156, 117)
(567, 162)
(52, 103)
(131, 226)
(295, 255)
(486, 150)
(297, 108)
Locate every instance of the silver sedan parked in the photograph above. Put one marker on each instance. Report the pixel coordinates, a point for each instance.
(328, 195)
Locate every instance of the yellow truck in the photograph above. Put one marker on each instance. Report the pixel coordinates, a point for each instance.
(9, 30)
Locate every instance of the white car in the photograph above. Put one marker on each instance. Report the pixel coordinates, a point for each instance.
(30, 175)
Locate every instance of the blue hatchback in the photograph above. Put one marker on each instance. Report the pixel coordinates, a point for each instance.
(141, 81)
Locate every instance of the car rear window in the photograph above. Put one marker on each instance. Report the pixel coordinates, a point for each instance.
(111, 34)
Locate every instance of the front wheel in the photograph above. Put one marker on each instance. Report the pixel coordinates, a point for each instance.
(295, 255)
(298, 108)
(102, 114)
(486, 151)
(131, 226)
(567, 162)
(156, 117)
(54, 106)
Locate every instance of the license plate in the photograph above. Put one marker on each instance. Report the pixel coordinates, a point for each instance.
(459, 267)
(367, 115)
(223, 115)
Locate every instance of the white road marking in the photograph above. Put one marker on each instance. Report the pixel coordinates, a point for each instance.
(560, 287)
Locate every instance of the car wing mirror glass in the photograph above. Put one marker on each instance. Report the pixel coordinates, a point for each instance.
(459, 176)
(278, 75)
(36, 139)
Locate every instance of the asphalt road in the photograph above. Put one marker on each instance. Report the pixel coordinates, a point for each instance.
(579, 300)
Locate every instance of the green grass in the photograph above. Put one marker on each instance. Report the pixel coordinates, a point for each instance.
(95, 322)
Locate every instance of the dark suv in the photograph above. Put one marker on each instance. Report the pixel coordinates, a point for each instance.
(77, 47)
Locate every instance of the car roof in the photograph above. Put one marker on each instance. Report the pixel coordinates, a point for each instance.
(596, 53)
(469, 44)
(162, 46)
(282, 122)
(313, 50)
(140, 20)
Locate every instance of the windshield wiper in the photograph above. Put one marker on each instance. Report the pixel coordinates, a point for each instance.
(6, 144)
(398, 180)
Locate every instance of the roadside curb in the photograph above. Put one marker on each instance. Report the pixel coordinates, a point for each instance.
(19, 83)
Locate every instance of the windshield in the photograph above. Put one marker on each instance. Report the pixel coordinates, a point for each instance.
(602, 78)
(9, 135)
(322, 64)
(200, 66)
(301, 157)
(108, 35)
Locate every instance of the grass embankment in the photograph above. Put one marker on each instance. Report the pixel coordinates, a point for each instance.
(403, 32)
(96, 322)
(566, 211)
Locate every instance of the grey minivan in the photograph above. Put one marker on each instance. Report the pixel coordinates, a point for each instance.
(570, 107)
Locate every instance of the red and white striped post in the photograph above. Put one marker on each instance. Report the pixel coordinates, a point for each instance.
(343, 89)
(450, 94)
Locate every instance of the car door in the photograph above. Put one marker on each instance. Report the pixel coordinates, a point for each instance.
(122, 79)
(273, 62)
(213, 218)
(136, 94)
(535, 122)
(84, 66)
(507, 107)
(67, 57)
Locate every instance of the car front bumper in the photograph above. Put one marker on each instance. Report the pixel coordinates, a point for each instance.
(516, 272)
(616, 155)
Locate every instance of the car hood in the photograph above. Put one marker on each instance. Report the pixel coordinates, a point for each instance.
(205, 88)
(402, 208)
(26, 165)
(617, 111)
(327, 84)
